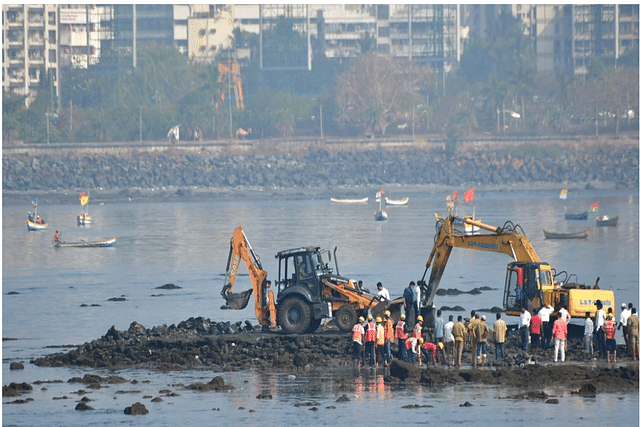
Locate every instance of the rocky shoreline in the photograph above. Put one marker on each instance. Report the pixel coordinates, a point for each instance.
(131, 174)
(199, 343)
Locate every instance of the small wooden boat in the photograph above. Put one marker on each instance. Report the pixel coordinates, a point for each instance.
(583, 216)
(392, 202)
(34, 222)
(85, 219)
(35, 226)
(605, 221)
(363, 200)
(578, 235)
(84, 244)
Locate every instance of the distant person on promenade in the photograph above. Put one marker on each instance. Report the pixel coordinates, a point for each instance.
(588, 336)
(499, 337)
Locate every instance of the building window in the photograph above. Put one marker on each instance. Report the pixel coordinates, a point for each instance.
(52, 18)
(52, 55)
(383, 32)
(52, 36)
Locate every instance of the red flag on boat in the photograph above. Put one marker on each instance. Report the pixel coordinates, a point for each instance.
(595, 205)
(454, 196)
(469, 195)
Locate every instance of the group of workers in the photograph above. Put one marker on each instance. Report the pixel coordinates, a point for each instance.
(372, 340)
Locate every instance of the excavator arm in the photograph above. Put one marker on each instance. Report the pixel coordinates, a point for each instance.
(240, 249)
(506, 240)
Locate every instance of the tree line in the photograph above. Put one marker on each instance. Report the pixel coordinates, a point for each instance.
(494, 91)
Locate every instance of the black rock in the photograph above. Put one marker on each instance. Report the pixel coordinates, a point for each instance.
(83, 407)
(136, 409)
(16, 366)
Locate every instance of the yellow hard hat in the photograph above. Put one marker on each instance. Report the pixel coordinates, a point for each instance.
(402, 316)
(419, 318)
(361, 319)
(440, 345)
(370, 317)
(420, 340)
(387, 313)
(379, 319)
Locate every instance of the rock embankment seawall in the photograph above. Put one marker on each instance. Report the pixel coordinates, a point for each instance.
(316, 167)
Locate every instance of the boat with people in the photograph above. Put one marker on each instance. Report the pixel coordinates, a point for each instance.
(34, 221)
(605, 221)
(85, 244)
(338, 200)
(381, 213)
(394, 202)
(577, 235)
(84, 218)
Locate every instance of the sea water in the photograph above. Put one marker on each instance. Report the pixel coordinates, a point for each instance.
(63, 299)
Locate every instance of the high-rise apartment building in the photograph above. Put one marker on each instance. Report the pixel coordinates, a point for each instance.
(29, 47)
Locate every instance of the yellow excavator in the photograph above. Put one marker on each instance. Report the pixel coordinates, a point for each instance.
(530, 283)
(307, 290)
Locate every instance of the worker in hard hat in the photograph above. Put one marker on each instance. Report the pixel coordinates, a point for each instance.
(380, 342)
(430, 352)
(370, 341)
(401, 335)
(357, 335)
(417, 330)
(388, 337)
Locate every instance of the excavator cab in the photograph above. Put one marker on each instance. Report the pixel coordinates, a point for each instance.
(523, 286)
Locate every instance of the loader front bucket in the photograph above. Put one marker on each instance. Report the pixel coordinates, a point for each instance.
(395, 307)
(237, 301)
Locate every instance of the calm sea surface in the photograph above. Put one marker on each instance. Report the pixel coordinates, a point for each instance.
(188, 243)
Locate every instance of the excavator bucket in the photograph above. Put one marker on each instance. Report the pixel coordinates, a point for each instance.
(394, 307)
(237, 301)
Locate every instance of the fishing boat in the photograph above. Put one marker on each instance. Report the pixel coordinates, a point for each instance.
(393, 202)
(582, 216)
(337, 200)
(84, 218)
(84, 244)
(578, 235)
(605, 221)
(34, 222)
(380, 214)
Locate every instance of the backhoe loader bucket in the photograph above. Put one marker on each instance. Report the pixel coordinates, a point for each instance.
(237, 301)
(394, 307)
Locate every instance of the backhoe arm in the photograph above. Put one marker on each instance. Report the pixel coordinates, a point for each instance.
(504, 240)
(240, 249)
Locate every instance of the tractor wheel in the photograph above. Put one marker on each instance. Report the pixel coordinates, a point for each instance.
(294, 316)
(345, 318)
(314, 325)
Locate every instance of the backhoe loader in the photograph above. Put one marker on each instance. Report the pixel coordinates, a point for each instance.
(308, 290)
(530, 283)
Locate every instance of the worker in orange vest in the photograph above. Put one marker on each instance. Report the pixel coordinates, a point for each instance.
(380, 342)
(356, 338)
(401, 336)
(413, 347)
(388, 337)
(417, 330)
(370, 341)
(431, 347)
